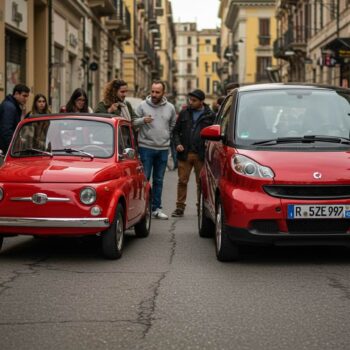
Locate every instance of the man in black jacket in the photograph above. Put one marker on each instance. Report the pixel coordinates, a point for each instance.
(189, 145)
(10, 114)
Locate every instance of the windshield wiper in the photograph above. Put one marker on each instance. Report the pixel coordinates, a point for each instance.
(304, 139)
(28, 150)
(73, 150)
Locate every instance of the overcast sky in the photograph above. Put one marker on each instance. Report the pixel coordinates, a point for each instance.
(204, 12)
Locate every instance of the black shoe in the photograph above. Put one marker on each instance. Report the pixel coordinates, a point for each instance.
(177, 213)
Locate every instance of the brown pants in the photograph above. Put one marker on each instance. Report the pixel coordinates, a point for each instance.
(184, 171)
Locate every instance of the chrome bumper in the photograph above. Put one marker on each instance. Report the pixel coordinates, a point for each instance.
(55, 222)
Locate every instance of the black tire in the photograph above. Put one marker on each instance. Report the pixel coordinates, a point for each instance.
(226, 250)
(1, 241)
(206, 227)
(113, 237)
(143, 227)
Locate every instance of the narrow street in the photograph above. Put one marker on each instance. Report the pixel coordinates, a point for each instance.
(168, 291)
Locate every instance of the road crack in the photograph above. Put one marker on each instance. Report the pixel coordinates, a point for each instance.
(31, 269)
(337, 284)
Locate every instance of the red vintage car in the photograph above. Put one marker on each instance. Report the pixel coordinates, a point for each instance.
(74, 175)
(277, 168)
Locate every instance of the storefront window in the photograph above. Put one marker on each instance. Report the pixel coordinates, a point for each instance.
(15, 52)
(57, 80)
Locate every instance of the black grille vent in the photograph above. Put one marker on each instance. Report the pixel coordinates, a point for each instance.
(265, 226)
(308, 192)
(317, 226)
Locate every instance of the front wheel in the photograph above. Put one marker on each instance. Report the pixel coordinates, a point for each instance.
(113, 237)
(206, 227)
(143, 227)
(226, 250)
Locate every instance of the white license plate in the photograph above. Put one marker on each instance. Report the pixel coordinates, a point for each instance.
(318, 211)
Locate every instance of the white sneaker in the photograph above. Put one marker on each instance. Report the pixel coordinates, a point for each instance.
(158, 214)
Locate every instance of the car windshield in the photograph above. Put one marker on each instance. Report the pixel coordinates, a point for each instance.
(292, 114)
(64, 136)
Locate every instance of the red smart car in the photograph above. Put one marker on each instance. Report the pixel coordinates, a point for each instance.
(277, 168)
(74, 175)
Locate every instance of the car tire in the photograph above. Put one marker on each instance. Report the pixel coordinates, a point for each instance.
(226, 250)
(113, 237)
(1, 241)
(143, 227)
(206, 227)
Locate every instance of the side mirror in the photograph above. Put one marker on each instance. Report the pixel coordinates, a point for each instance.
(212, 133)
(129, 153)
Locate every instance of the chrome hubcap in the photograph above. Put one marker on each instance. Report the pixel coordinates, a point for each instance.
(119, 236)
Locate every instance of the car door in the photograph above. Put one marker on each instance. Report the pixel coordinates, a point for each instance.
(216, 151)
(131, 171)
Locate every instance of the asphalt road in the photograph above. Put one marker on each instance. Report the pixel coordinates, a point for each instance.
(169, 292)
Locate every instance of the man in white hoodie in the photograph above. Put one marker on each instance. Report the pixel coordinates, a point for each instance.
(155, 122)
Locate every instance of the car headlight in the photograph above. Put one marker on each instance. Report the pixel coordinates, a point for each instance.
(88, 195)
(246, 166)
(1, 193)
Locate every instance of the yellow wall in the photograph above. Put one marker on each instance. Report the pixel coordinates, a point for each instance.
(206, 54)
(252, 40)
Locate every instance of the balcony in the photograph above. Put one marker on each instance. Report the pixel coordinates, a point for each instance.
(120, 22)
(102, 7)
(296, 38)
(279, 48)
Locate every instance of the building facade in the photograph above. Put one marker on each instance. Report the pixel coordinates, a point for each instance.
(313, 41)
(250, 52)
(55, 46)
(208, 63)
(164, 45)
(186, 59)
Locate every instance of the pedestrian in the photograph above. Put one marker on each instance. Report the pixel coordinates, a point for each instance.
(78, 103)
(39, 106)
(114, 100)
(155, 122)
(217, 104)
(189, 145)
(10, 114)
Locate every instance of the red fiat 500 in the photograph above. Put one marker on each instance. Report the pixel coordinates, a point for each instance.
(277, 168)
(74, 175)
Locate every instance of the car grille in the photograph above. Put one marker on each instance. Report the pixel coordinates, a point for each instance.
(308, 192)
(318, 226)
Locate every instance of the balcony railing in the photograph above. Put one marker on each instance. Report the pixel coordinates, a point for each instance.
(102, 7)
(120, 21)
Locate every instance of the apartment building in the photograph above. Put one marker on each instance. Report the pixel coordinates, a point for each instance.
(313, 41)
(186, 60)
(208, 63)
(249, 50)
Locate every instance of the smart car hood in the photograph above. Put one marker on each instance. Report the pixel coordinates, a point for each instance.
(300, 167)
(54, 170)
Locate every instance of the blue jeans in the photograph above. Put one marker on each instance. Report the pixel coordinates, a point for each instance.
(155, 161)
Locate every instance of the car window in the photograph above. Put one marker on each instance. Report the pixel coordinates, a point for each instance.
(225, 115)
(291, 112)
(124, 138)
(57, 135)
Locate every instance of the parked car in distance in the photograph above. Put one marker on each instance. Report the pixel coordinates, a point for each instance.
(74, 175)
(277, 168)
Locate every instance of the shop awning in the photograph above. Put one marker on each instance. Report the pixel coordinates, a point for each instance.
(340, 46)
